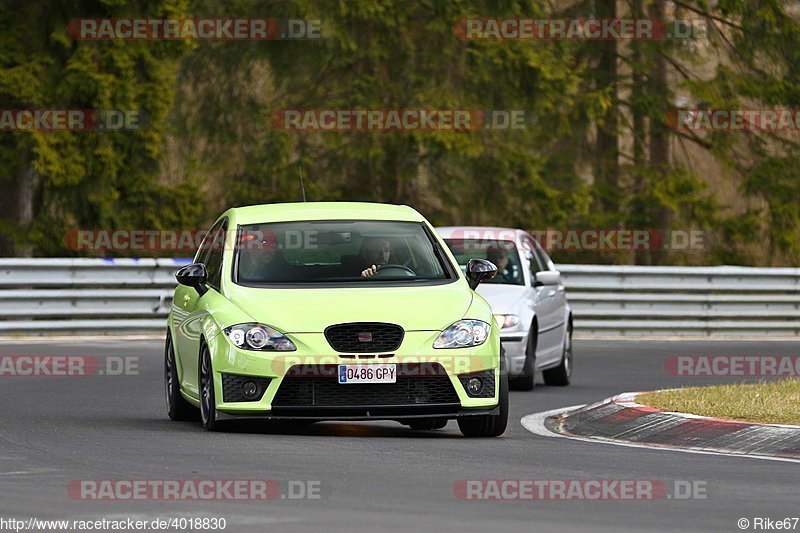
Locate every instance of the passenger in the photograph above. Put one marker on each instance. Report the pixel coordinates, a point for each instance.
(260, 259)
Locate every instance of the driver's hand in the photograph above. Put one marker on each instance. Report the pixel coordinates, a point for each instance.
(371, 271)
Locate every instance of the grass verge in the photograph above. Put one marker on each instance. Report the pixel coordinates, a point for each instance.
(773, 402)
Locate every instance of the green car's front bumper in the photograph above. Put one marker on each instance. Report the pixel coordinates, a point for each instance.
(304, 383)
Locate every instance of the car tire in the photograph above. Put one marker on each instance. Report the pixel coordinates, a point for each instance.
(489, 425)
(208, 401)
(527, 380)
(177, 407)
(560, 375)
(424, 424)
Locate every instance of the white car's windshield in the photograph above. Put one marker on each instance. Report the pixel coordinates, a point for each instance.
(337, 251)
(502, 253)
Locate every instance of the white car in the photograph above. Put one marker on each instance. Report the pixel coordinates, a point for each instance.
(528, 300)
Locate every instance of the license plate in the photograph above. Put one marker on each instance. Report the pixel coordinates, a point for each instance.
(353, 374)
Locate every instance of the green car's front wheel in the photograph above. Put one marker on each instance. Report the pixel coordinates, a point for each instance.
(177, 407)
(208, 400)
(488, 425)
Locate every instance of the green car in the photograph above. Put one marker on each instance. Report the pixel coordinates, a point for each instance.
(333, 311)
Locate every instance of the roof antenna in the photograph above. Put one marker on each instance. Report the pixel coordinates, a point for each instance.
(302, 187)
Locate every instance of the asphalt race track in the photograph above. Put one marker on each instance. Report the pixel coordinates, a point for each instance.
(372, 476)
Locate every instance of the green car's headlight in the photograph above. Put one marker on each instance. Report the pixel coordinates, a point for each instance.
(463, 334)
(258, 337)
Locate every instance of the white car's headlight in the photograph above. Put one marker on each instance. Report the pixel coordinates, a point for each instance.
(507, 321)
(258, 337)
(463, 334)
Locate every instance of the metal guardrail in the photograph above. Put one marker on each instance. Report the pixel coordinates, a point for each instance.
(88, 296)
(705, 301)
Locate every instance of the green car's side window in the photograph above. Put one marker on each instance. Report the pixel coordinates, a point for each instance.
(205, 246)
(210, 252)
(213, 261)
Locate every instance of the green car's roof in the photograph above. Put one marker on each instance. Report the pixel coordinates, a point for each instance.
(255, 214)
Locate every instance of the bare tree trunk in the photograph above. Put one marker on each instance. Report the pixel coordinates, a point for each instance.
(639, 114)
(7, 214)
(607, 145)
(26, 188)
(17, 206)
(637, 99)
(659, 136)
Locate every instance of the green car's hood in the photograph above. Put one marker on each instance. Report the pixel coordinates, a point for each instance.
(311, 310)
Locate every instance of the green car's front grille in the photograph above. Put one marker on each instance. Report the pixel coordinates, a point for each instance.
(364, 337)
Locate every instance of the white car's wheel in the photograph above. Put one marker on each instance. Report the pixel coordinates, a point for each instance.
(560, 375)
(526, 380)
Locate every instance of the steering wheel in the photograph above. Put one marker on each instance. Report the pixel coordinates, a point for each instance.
(393, 271)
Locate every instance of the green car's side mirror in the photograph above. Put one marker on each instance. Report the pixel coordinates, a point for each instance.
(479, 270)
(195, 276)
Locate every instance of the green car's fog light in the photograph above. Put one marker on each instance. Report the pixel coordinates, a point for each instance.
(474, 386)
(249, 389)
(259, 337)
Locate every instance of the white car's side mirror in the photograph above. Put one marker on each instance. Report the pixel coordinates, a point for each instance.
(547, 277)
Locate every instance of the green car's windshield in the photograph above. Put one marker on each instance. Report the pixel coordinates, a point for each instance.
(502, 253)
(337, 251)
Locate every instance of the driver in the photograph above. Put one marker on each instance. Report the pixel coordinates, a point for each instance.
(499, 256)
(375, 252)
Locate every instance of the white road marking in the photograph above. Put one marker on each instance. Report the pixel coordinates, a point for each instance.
(535, 424)
(28, 472)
